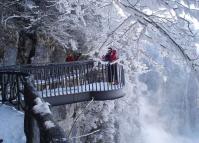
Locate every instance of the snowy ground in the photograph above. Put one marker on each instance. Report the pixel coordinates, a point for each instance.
(11, 125)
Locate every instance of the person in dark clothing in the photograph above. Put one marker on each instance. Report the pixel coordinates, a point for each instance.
(112, 73)
(111, 57)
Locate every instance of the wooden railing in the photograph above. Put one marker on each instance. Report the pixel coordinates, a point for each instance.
(10, 84)
(73, 78)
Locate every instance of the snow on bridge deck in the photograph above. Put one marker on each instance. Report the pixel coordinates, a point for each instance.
(73, 94)
(79, 89)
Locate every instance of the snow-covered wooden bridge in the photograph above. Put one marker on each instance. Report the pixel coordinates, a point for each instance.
(64, 83)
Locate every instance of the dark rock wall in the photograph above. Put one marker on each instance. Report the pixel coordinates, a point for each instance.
(8, 45)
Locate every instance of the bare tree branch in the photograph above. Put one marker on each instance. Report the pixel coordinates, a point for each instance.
(76, 119)
(109, 35)
(85, 135)
(145, 18)
(125, 32)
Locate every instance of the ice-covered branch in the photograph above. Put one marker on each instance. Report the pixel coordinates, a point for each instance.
(76, 119)
(85, 135)
(146, 19)
(109, 35)
(16, 16)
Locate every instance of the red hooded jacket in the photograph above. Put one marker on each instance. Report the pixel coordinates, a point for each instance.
(111, 56)
(70, 58)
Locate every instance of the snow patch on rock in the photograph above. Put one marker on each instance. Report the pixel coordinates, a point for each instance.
(41, 107)
(49, 124)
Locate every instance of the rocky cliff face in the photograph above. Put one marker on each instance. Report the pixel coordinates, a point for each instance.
(8, 43)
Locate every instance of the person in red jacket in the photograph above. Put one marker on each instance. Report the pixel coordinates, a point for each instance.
(111, 57)
(70, 57)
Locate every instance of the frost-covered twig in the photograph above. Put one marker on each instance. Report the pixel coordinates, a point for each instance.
(145, 18)
(125, 32)
(133, 4)
(109, 35)
(109, 4)
(76, 119)
(85, 135)
(15, 16)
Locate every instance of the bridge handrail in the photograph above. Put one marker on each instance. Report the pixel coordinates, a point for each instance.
(19, 67)
(85, 75)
